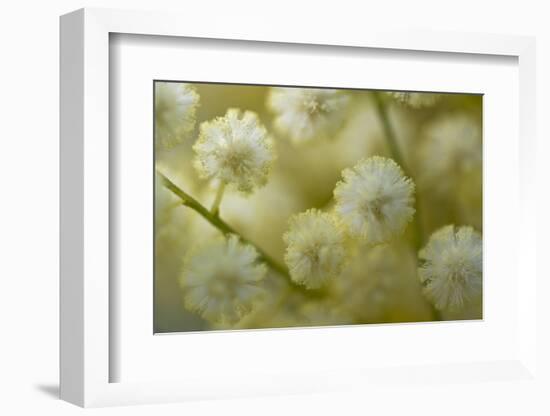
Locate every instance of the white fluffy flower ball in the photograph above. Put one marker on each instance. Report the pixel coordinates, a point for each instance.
(452, 267)
(175, 109)
(375, 200)
(415, 100)
(221, 280)
(316, 249)
(305, 114)
(452, 146)
(235, 149)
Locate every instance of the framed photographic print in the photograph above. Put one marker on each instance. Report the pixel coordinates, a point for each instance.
(267, 214)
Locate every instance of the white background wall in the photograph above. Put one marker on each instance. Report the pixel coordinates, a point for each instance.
(29, 56)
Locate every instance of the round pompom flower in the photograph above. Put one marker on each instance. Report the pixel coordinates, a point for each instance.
(452, 147)
(415, 100)
(235, 149)
(304, 114)
(375, 200)
(315, 250)
(221, 280)
(175, 109)
(452, 267)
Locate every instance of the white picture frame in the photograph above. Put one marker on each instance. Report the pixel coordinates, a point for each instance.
(85, 221)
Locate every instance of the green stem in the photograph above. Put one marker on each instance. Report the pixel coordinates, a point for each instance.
(391, 140)
(221, 225)
(388, 131)
(217, 201)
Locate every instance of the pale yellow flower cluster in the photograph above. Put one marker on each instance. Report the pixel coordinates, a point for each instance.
(452, 268)
(236, 150)
(374, 203)
(221, 279)
(306, 114)
(316, 250)
(451, 148)
(175, 111)
(345, 260)
(375, 200)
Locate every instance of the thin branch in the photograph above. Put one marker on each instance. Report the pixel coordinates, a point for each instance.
(393, 146)
(216, 221)
(388, 131)
(218, 199)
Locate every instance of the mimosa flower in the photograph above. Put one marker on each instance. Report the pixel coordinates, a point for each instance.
(315, 250)
(452, 146)
(221, 280)
(304, 114)
(375, 200)
(378, 285)
(175, 109)
(452, 269)
(415, 99)
(236, 150)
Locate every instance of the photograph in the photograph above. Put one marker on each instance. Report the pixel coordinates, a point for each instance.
(309, 206)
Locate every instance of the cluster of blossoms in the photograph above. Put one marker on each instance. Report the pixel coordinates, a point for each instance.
(316, 249)
(375, 200)
(451, 147)
(223, 280)
(374, 203)
(175, 110)
(305, 114)
(452, 268)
